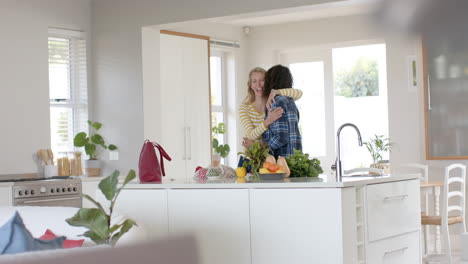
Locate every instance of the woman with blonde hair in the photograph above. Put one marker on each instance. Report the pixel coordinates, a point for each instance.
(252, 110)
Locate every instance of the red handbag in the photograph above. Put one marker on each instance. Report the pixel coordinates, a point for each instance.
(150, 169)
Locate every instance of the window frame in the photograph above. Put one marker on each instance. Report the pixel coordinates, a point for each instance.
(325, 53)
(78, 86)
(214, 52)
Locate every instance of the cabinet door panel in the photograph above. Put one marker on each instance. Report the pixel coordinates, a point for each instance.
(446, 93)
(401, 249)
(297, 226)
(90, 188)
(219, 219)
(197, 103)
(185, 103)
(6, 196)
(392, 209)
(172, 104)
(148, 208)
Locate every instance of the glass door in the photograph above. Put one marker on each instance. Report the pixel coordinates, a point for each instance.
(446, 90)
(312, 74)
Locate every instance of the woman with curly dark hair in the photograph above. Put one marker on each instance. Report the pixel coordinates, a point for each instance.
(252, 110)
(283, 135)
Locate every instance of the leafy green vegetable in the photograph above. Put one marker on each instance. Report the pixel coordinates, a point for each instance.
(256, 154)
(301, 166)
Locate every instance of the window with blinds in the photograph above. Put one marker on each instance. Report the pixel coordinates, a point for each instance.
(67, 87)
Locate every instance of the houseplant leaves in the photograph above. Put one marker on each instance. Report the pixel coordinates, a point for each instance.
(98, 220)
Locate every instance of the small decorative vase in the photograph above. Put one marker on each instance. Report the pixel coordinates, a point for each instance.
(93, 168)
(215, 160)
(383, 165)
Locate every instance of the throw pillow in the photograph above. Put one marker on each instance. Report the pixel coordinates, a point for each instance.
(68, 243)
(15, 238)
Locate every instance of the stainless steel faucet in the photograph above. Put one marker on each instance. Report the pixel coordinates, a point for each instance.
(339, 169)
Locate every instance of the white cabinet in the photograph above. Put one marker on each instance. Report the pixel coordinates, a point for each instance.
(272, 225)
(6, 196)
(89, 187)
(402, 249)
(392, 209)
(219, 218)
(446, 97)
(185, 103)
(303, 226)
(148, 208)
(393, 222)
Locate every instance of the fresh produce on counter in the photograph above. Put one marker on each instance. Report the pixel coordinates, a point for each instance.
(241, 172)
(282, 163)
(270, 159)
(301, 166)
(256, 153)
(272, 166)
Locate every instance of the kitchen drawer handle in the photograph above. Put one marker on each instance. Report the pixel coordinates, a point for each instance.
(395, 251)
(389, 198)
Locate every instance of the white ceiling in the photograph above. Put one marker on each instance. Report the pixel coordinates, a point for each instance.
(313, 12)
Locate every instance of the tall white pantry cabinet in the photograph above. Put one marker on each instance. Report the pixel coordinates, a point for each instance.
(185, 102)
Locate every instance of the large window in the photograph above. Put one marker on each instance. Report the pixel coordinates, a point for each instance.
(67, 87)
(218, 91)
(360, 82)
(308, 76)
(340, 85)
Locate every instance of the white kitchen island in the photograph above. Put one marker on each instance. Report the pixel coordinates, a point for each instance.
(361, 220)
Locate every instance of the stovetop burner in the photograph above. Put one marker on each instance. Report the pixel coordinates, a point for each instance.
(35, 179)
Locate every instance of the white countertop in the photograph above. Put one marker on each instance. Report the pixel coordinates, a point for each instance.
(323, 181)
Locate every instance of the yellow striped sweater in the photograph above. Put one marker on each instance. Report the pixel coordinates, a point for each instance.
(252, 121)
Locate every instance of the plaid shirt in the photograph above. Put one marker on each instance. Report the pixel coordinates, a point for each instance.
(283, 135)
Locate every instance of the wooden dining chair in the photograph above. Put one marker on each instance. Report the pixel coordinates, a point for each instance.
(453, 210)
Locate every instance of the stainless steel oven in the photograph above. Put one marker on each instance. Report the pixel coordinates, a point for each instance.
(53, 192)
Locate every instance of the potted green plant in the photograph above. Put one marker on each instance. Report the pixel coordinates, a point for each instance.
(220, 150)
(93, 144)
(99, 220)
(377, 147)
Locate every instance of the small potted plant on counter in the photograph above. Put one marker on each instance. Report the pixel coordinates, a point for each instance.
(378, 147)
(220, 150)
(93, 144)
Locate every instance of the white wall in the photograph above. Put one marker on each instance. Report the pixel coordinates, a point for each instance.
(117, 50)
(24, 90)
(116, 96)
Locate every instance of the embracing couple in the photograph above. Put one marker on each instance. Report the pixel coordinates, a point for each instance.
(269, 113)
